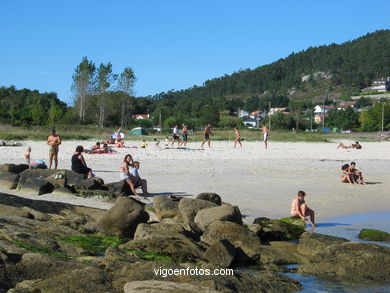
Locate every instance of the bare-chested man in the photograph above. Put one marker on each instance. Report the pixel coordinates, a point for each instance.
(265, 135)
(238, 137)
(207, 132)
(53, 141)
(300, 209)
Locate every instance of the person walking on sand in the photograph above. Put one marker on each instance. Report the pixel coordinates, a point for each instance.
(175, 135)
(300, 209)
(207, 133)
(238, 137)
(265, 131)
(184, 135)
(53, 141)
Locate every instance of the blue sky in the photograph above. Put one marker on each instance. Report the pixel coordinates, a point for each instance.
(170, 44)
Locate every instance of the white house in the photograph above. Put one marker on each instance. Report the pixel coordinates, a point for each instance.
(381, 85)
(249, 121)
(242, 113)
(260, 114)
(348, 104)
(272, 111)
(323, 109)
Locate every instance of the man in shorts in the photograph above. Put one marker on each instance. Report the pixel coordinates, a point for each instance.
(265, 135)
(176, 135)
(207, 133)
(53, 141)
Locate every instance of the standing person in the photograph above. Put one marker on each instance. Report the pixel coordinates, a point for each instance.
(238, 137)
(125, 172)
(207, 133)
(184, 134)
(53, 141)
(78, 163)
(138, 182)
(265, 135)
(175, 135)
(300, 209)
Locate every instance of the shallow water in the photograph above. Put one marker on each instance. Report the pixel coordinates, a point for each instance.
(347, 227)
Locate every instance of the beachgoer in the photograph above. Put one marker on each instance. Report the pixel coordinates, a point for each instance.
(176, 135)
(166, 142)
(300, 209)
(184, 135)
(53, 141)
(238, 137)
(27, 156)
(144, 144)
(207, 133)
(93, 148)
(265, 132)
(345, 176)
(355, 175)
(125, 172)
(138, 182)
(156, 142)
(343, 146)
(78, 163)
(356, 145)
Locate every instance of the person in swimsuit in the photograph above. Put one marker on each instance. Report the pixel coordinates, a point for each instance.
(53, 141)
(27, 156)
(184, 134)
(345, 175)
(265, 135)
(238, 137)
(207, 133)
(300, 209)
(355, 175)
(78, 163)
(125, 172)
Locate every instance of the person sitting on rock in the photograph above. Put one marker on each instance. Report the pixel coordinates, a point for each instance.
(345, 175)
(125, 172)
(138, 182)
(300, 209)
(355, 175)
(78, 163)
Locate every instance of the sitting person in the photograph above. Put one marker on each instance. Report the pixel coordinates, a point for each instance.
(138, 182)
(119, 143)
(356, 145)
(156, 142)
(355, 175)
(125, 172)
(93, 148)
(78, 163)
(144, 144)
(345, 176)
(300, 209)
(166, 142)
(110, 141)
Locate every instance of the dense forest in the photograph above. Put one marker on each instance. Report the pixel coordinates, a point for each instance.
(104, 98)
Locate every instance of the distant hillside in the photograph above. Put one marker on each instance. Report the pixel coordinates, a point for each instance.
(334, 68)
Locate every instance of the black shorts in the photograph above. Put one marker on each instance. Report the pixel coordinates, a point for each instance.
(206, 136)
(175, 136)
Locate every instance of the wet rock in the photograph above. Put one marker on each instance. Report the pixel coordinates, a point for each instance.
(312, 243)
(35, 185)
(160, 230)
(221, 253)
(374, 235)
(120, 187)
(189, 207)
(164, 207)
(9, 180)
(220, 213)
(122, 219)
(276, 230)
(211, 197)
(90, 184)
(351, 261)
(153, 286)
(12, 168)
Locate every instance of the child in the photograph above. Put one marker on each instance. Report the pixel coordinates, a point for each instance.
(166, 142)
(144, 144)
(300, 209)
(137, 181)
(156, 142)
(27, 156)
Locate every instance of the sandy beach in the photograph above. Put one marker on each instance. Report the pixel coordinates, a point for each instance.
(261, 182)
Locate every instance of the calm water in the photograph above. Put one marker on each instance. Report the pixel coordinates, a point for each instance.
(347, 227)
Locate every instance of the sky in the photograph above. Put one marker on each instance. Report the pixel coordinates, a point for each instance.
(170, 44)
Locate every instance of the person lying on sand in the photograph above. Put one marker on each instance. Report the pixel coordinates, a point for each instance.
(345, 175)
(355, 175)
(300, 209)
(93, 148)
(355, 145)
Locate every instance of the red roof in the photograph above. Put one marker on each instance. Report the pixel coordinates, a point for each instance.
(145, 116)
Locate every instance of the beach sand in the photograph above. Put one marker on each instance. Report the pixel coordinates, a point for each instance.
(261, 182)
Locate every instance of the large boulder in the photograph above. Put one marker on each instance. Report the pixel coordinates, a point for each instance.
(189, 207)
(9, 180)
(211, 197)
(165, 207)
(90, 184)
(220, 213)
(312, 243)
(374, 235)
(154, 286)
(120, 187)
(276, 230)
(12, 168)
(352, 261)
(35, 185)
(160, 230)
(248, 244)
(221, 253)
(122, 219)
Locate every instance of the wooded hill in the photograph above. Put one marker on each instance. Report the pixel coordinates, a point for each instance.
(351, 66)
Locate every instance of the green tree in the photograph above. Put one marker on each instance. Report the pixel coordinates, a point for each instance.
(55, 114)
(126, 84)
(105, 78)
(371, 120)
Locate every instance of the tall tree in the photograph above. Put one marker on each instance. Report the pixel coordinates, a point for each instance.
(126, 83)
(83, 85)
(105, 78)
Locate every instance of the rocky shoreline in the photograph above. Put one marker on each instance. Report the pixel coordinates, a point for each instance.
(57, 247)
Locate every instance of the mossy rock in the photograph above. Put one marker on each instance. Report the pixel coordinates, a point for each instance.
(295, 221)
(374, 235)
